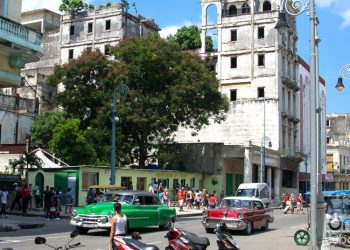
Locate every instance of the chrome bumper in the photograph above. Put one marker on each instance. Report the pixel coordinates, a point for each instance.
(232, 224)
(87, 221)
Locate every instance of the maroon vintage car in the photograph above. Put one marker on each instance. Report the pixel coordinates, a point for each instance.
(239, 213)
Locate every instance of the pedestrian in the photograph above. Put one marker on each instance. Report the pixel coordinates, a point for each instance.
(300, 201)
(31, 195)
(181, 197)
(69, 201)
(189, 199)
(166, 197)
(48, 202)
(212, 201)
(205, 199)
(198, 200)
(150, 188)
(17, 199)
(57, 204)
(118, 225)
(160, 194)
(91, 196)
(222, 195)
(3, 198)
(25, 193)
(37, 197)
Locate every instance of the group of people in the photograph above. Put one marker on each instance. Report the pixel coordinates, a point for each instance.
(290, 203)
(186, 196)
(52, 202)
(161, 192)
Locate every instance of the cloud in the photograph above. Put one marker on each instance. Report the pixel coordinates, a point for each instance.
(171, 30)
(346, 16)
(325, 3)
(39, 4)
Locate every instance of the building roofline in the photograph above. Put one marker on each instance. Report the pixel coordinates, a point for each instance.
(43, 10)
(307, 67)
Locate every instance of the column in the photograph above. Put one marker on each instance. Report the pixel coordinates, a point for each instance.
(248, 163)
(277, 186)
(268, 178)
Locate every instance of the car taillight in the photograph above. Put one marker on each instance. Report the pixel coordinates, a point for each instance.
(176, 245)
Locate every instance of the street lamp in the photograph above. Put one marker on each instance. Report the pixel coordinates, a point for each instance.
(264, 140)
(120, 91)
(294, 8)
(344, 73)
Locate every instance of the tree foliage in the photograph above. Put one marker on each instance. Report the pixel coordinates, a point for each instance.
(189, 38)
(169, 88)
(74, 6)
(25, 161)
(70, 144)
(43, 127)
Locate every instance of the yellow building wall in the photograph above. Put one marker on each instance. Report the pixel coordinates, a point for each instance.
(14, 10)
(4, 64)
(330, 168)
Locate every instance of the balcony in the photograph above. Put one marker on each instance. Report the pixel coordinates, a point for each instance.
(22, 36)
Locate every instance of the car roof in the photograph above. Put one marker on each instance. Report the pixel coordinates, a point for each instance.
(242, 198)
(252, 185)
(130, 192)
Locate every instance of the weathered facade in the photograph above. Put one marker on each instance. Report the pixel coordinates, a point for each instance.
(338, 150)
(256, 64)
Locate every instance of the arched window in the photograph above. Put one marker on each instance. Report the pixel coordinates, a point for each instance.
(267, 6)
(245, 8)
(232, 11)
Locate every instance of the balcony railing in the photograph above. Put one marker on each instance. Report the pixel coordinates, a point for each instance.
(18, 34)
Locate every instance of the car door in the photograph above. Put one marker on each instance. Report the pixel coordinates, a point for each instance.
(151, 209)
(259, 214)
(136, 216)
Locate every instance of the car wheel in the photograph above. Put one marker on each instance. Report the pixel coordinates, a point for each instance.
(82, 230)
(249, 228)
(166, 225)
(209, 230)
(266, 226)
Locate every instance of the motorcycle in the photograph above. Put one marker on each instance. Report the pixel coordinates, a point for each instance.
(225, 240)
(75, 233)
(124, 243)
(183, 240)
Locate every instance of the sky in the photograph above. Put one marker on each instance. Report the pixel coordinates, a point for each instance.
(334, 32)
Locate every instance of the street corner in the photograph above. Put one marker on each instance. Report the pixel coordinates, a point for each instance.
(9, 227)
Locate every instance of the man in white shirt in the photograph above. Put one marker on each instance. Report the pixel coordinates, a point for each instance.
(150, 189)
(3, 194)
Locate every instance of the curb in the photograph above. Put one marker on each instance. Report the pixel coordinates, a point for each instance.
(8, 228)
(34, 215)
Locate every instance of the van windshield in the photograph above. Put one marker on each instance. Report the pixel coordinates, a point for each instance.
(249, 192)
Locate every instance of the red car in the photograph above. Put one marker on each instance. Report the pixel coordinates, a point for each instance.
(239, 213)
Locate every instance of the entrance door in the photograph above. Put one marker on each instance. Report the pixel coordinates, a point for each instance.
(229, 184)
(72, 184)
(61, 183)
(238, 181)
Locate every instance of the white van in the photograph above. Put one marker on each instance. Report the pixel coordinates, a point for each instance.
(255, 190)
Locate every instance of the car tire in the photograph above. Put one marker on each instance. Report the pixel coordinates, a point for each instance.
(209, 230)
(248, 230)
(82, 230)
(166, 225)
(266, 226)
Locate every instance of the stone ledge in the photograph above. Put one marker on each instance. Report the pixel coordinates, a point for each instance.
(8, 227)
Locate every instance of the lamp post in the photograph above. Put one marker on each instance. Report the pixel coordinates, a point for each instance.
(120, 91)
(262, 156)
(294, 8)
(344, 73)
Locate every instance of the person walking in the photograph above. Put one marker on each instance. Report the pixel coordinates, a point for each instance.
(69, 201)
(189, 198)
(17, 199)
(166, 197)
(25, 193)
(48, 201)
(118, 225)
(300, 203)
(30, 198)
(3, 199)
(37, 197)
(181, 197)
(212, 201)
(57, 204)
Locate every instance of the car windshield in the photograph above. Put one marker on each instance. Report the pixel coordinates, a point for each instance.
(126, 199)
(249, 192)
(235, 203)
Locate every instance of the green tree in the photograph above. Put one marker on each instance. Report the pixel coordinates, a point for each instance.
(189, 38)
(74, 6)
(70, 144)
(42, 129)
(126, 5)
(169, 88)
(25, 161)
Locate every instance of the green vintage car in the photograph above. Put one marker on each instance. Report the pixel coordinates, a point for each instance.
(142, 209)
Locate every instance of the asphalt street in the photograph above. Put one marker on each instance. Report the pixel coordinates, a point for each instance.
(279, 236)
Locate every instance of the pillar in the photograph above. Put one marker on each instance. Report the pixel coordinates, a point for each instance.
(248, 163)
(277, 186)
(269, 178)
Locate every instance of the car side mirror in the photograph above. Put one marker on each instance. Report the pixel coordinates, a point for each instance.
(74, 234)
(40, 240)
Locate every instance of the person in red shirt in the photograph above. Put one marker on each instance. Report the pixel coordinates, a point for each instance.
(25, 193)
(300, 203)
(212, 201)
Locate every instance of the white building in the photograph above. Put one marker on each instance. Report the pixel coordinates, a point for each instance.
(256, 64)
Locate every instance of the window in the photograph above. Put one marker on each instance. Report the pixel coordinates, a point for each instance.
(71, 30)
(261, 32)
(141, 184)
(108, 25)
(193, 182)
(245, 8)
(107, 49)
(233, 35)
(232, 11)
(327, 140)
(261, 60)
(328, 123)
(261, 92)
(183, 182)
(70, 54)
(175, 183)
(89, 179)
(233, 94)
(89, 49)
(126, 182)
(266, 6)
(289, 179)
(90, 27)
(233, 62)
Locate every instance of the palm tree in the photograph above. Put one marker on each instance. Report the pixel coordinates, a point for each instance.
(25, 161)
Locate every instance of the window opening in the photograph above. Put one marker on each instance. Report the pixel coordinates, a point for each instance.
(245, 8)
(232, 11)
(233, 35)
(261, 32)
(261, 60)
(90, 27)
(71, 30)
(70, 54)
(266, 6)
(108, 25)
(233, 62)
(261, 92)
(233, 94)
